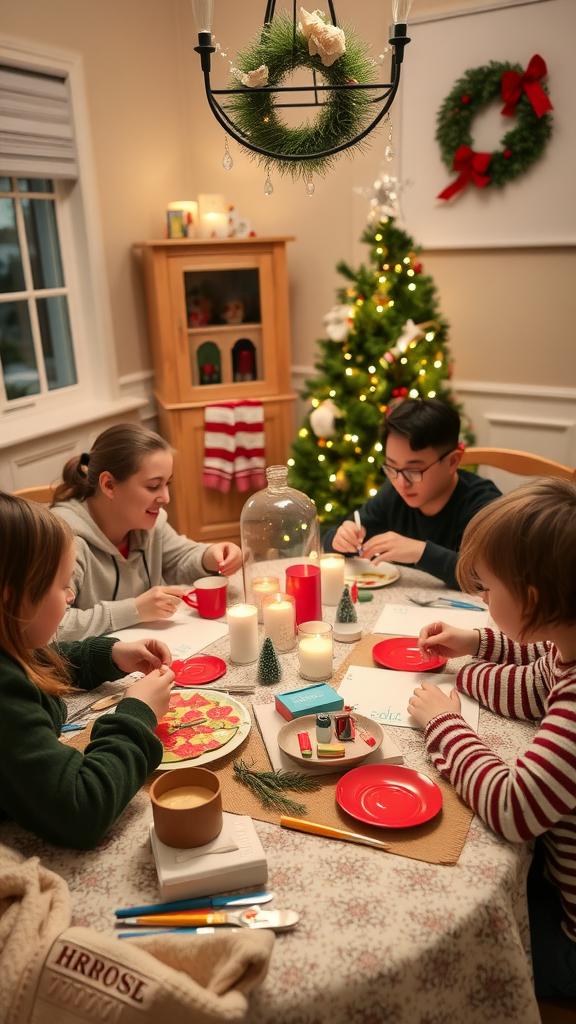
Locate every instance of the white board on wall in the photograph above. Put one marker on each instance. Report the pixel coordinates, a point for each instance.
(539, 207)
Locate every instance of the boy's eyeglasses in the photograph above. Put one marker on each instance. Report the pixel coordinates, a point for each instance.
(411, 476)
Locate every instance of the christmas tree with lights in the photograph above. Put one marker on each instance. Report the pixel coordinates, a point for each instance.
(386, 341)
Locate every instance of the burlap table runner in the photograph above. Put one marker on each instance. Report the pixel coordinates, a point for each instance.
(439, 841)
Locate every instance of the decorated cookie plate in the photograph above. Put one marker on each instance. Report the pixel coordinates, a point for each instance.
(199, 727)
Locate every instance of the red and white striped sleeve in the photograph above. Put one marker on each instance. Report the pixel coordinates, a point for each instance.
(513, 680)
(522, 801)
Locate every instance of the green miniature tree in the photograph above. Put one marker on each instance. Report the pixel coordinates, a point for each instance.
(346, 611)
(269, 667)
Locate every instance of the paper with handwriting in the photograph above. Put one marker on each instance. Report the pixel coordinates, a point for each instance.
(408, 620)
(185, 633)
(383, 695)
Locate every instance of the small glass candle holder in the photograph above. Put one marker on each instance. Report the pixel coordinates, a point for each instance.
(279, 614)
(315, 650)
(261, 587)
(332, 578)
(242, 622)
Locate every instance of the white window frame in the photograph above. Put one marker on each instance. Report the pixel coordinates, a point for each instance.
(79, 226)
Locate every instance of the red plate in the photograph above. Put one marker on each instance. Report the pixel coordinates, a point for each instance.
(388, 795)
(198, 671)
(402, 652)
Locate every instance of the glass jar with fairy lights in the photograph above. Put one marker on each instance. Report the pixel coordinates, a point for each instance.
(278, 529)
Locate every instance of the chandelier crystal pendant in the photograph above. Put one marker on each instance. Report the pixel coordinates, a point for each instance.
(344, 98)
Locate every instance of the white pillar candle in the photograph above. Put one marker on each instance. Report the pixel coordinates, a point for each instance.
(263, 586)
(243, 633)
(279, 613)
(315, 650)
(332, 578)
(212, 216)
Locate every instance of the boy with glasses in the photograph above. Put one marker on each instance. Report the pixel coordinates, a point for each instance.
(419, 515)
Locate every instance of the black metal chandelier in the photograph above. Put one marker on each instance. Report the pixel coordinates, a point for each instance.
(320, 93)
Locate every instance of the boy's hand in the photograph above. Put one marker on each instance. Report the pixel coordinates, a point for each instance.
(154, 690)
(224, 558)
(393, 547)
(140, 657)
(439, 640)
(348, 538)
(429, 701)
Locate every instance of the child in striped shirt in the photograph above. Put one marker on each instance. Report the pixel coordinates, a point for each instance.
(520, 553)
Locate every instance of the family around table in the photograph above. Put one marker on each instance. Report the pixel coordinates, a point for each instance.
(105, 557)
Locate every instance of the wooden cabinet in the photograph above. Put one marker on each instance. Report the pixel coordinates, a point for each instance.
(219, 328)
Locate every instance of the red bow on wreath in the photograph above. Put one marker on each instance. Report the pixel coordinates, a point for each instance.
(472, 167)
(513, 83)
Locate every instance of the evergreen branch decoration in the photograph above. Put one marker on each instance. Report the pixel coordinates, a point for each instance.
(269, 786)
(518, 149)
(344, 113)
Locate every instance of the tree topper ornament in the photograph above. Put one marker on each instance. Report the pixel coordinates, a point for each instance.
(384, 195)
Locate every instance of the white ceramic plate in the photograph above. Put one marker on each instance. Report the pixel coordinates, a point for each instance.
(356, 750)
(368, 576)
(213, 755)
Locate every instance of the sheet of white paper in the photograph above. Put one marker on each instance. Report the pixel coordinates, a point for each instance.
(408, 620)
(185, 633)
(382, 694)
(270, 723)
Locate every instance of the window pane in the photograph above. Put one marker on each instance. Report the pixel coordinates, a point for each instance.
(35, 185)
(43, 244)
(57, 342)
(11, 272)
(17, 351)
(5, 184)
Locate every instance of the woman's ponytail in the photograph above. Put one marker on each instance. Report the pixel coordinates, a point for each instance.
(75, 482)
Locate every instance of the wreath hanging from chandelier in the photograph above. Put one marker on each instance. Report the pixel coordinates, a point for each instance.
(269, 59)
(524, 97)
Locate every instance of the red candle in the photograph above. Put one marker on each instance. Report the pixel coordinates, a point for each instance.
(303, 583)
(245, 361)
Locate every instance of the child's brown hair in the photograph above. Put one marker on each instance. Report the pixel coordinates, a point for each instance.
(118, 450)
(527, 539)
(34, 542)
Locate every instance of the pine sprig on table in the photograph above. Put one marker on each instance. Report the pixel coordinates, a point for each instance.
(269, 786)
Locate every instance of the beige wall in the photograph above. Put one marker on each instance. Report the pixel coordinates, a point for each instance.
(154, 140)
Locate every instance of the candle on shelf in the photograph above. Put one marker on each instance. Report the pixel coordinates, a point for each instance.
(303, 583)
(263, 586)
(182, 216)
(279, 611)
(315, 650)
(332, 574)
(212, 216)
(242, 622)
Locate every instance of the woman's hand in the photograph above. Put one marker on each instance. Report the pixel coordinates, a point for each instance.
(429, 701)
(159, 603)
(154, 690)
(224, 558)
(140, 657)
(438, 639)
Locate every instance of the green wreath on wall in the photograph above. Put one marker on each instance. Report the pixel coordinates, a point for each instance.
(524, 97)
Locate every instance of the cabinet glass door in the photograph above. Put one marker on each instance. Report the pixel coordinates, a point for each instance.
(224, 325)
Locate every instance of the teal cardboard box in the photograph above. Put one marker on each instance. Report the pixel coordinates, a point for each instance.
(310, 700)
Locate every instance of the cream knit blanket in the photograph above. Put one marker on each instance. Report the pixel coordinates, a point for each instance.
(51, 973)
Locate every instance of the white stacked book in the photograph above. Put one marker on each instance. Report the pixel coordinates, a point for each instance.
(234, 860)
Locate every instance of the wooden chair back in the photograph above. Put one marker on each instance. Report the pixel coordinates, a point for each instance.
(517, 462)
(43, 495)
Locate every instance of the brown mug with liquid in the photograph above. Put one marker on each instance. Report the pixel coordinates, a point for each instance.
(187, 807)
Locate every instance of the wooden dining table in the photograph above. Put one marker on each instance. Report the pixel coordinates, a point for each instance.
(382, 939)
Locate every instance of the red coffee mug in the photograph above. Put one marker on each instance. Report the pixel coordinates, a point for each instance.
(210, 597)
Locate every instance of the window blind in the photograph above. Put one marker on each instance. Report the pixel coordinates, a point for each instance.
(36, 127)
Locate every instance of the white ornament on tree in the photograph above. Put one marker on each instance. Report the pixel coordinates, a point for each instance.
(337, 323)
(323, 419)
(410, 332)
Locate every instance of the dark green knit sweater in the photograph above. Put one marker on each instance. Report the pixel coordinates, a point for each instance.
(61, 795)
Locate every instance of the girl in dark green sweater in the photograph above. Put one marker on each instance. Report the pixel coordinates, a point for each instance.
(66, 797)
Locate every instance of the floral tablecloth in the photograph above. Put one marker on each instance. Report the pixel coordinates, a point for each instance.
(381, 938)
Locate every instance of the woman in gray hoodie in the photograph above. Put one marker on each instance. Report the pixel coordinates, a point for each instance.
(130, 564)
